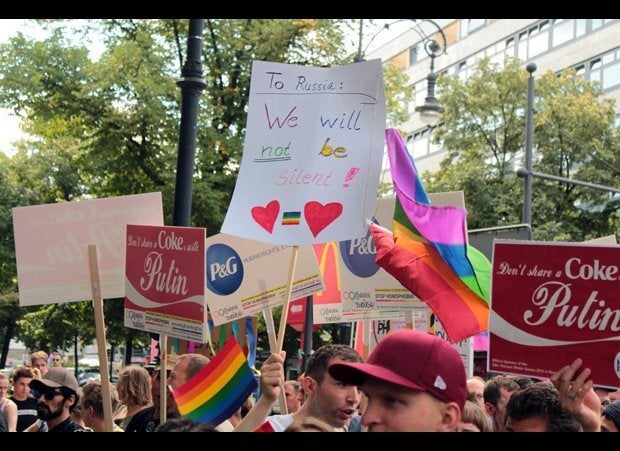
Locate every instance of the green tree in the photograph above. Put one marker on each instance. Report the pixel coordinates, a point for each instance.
(109, 126)
(484, 130)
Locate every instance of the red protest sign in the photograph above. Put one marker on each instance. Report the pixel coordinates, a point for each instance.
(165, 281)
(552, 303)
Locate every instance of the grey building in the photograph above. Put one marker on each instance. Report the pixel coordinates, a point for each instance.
(591, 46)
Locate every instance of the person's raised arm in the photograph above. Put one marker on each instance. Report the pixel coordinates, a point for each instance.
(577, 395)
(271, 378)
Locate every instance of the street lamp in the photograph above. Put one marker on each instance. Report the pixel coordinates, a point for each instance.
(430, 112)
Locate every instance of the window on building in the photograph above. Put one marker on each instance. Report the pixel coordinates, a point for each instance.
(468, 26)
(420, 143)
(413, 54)
(563, 31)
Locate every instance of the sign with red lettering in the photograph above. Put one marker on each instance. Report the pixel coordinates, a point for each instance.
(552, 303)
(165, 281)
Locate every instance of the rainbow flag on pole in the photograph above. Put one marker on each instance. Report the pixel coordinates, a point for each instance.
(435, 237)
(219, 389)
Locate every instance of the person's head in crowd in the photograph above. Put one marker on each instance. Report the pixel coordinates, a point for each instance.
(537, 408)
(309, 424)
(20, 379)
(497, 392)
(610, 418)
(4, 386)
(56, 360)
(329, 399)
(603, 394)
(57, 394)
(186, 367)
(171, 406)
(291, 392)
(134, 387)
(184, 425)
(475, 390)
(91, 405)
(415, 382)
(474, 418)
(39, 361)
(522, 381)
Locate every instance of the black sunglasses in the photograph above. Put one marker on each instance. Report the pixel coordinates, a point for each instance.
(48, 394)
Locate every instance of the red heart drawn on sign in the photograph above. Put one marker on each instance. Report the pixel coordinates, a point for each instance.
(266, 216)
(319, 216)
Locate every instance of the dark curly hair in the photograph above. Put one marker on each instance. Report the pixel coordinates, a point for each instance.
(540, 400)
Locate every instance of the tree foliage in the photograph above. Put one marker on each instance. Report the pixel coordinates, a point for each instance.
(109, 125)
(574, 137)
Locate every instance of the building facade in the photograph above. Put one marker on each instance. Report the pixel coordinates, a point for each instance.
(591, 46)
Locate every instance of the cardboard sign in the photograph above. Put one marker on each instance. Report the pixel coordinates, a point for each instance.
(165, 281)
(312, 154)
(219, 335)
(552, 303)
(465, 347)
(245, 276)
(51, 246)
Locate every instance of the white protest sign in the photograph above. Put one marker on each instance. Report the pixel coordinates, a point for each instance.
(312, 154)
(245, 276)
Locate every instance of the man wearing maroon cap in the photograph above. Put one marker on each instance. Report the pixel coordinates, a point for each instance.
(414, 381)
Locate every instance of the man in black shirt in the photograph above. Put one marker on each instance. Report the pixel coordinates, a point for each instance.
(57, 395)
(26, 404)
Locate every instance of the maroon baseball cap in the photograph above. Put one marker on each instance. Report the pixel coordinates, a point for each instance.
(412, 359)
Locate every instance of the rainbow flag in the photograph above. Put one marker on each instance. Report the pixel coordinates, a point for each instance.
(438, 235)
(219, 389)
(419, 268)
(291, 218)
(444, 227)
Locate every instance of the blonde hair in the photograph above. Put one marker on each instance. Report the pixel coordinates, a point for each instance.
(38, 355)
(473, 413)
(92, 396)
(134, 386)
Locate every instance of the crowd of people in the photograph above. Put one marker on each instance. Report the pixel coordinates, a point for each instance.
(411, 382)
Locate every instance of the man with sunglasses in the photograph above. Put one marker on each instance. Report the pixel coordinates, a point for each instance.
(57, 395)
(57, 360)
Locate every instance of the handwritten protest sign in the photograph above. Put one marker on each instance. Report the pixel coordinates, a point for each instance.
(51, 245)
(312, 154)
(165, 281)
(552, 303)
(245, 276)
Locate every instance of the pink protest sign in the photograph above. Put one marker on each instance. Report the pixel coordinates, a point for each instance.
(552, 303)
(51, 245)
(165, 281)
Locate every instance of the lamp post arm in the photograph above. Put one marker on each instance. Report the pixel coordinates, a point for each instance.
(522, 172)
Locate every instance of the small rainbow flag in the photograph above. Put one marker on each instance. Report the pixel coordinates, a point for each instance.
(291, 218)
(219, 389)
